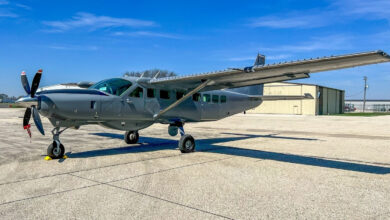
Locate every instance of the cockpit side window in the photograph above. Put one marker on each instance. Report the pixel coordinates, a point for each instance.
(137, 93)
(114, 86)
(196, 97)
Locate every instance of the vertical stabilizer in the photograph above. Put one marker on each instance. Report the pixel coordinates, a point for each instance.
(260, 60)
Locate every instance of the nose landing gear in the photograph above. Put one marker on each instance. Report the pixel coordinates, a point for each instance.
(56, 150)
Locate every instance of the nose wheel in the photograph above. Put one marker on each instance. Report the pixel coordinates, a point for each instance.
(56, 150)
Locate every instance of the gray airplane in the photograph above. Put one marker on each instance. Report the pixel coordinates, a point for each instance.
(134, 103)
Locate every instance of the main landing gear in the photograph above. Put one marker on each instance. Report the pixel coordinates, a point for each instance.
(187, 142)
(56, 150)
(131, 137)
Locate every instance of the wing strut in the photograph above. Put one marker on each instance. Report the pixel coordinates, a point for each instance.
(182, 99)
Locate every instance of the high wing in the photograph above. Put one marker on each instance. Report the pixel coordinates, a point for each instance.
(232, 78)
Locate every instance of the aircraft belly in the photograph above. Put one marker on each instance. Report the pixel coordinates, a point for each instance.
(126, 125)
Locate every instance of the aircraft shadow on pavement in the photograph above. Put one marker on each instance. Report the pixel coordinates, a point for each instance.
(148, 144)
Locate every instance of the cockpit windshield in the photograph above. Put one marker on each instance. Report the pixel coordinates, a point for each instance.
(114, 86)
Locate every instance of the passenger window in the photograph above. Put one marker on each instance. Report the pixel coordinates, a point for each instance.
(151, 93)
(215, 99)
(206, 98)
(196, 97)
(137, 93)
(164, 94)
(223, 99)
(179, 95)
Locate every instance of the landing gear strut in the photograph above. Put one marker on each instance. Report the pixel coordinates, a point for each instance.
(131, 137)
(56, 150)
(187, 142)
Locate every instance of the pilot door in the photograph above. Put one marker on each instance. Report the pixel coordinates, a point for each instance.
(134, 104)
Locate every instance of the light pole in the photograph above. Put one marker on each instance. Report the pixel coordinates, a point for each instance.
(365, 91)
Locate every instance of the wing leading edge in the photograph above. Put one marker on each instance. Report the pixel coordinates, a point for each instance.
(232, 78)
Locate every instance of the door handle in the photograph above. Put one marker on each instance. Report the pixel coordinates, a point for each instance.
(128, 101)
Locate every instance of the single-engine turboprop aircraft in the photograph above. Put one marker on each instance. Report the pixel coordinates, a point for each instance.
(134, 103)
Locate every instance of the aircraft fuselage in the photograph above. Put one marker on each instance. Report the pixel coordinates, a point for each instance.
(136, 107)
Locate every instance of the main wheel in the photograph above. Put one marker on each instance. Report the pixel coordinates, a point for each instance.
(187, 144)
(54, 152)
(131, 137)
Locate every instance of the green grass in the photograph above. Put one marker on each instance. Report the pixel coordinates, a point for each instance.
(364, 114)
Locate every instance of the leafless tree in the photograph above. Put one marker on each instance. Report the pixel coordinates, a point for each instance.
(150, 73)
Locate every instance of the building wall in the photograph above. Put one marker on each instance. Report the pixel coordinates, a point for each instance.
(331, 101)
(297, 107)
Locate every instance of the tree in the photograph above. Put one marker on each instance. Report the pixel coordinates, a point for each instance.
(150, 73)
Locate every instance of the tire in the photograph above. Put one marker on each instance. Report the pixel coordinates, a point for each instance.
(187, 144)
(173, 130)
(131, 137)
(52, 151)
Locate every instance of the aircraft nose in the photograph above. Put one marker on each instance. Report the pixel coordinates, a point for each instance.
(45, 106)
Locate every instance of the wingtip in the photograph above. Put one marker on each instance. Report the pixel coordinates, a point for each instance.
(40, 71)
(23, 73)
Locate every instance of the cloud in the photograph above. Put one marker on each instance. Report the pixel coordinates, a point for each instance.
(337, 12)
(88, 20)
(23, 6)
(5, 13)
(292, 20)
(373, 9)
(7, 8)
(147, 34)
(333, 42)
(73, 47)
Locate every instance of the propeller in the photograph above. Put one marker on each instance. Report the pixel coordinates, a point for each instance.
(31, 102)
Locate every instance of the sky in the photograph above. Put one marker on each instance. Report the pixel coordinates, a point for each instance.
(76, 41)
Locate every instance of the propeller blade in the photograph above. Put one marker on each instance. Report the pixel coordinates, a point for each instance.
(25, 83)
(26, 118)
(35, 83)
(37, 120)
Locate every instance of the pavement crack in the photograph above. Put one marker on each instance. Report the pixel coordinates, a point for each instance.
(101, 167)
(88, 169)
(49, 194)
(109, 183)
